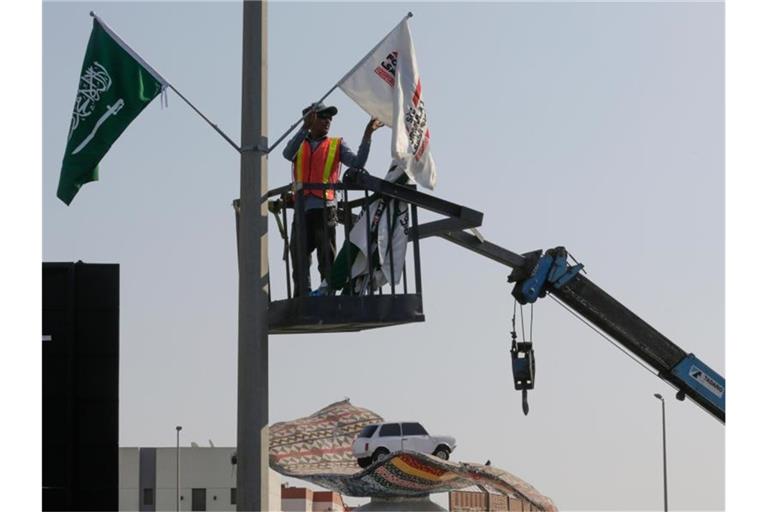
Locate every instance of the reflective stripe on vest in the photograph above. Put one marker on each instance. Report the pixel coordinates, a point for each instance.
(318, 166)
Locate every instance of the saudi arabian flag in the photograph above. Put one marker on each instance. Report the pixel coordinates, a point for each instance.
(115, 86)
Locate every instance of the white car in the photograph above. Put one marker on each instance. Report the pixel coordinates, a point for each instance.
(375, 442)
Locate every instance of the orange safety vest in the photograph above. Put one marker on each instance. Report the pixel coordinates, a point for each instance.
(318, 166)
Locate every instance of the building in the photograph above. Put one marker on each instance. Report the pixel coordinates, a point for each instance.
(207, 481)
(300, 499)
(327, 501)
(80, 365)
(296, 499)
(483, 500)
(207, 478)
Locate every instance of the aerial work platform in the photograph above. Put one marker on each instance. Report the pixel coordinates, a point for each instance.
(377, 272)
(343, 313)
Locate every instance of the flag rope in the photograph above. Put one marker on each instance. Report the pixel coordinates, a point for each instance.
(161, 79)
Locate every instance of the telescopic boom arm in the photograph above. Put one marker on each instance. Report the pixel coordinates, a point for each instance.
(539, 273)
(535, 275)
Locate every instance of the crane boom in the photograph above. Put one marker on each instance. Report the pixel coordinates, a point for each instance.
(539, 273)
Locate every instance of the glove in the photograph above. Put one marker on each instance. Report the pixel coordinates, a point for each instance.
(275, 206)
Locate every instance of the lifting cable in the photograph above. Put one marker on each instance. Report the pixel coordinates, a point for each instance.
(530, 328)
(514, 318)
(611, 341)
(529, 338)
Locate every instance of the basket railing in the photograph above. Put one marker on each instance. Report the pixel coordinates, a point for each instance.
(355, 203)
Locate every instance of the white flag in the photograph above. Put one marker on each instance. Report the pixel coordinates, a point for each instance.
(386, 84)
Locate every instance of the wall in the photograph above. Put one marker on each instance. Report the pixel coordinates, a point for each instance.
(200, 468)
(204, 468)
(128, 478)
(473, 501)
(325, 501)
(296, 499)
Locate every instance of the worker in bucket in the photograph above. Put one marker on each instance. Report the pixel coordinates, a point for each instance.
(316, 158)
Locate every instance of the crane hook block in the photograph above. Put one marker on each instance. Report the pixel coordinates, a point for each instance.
(523, 368)
(523, 365)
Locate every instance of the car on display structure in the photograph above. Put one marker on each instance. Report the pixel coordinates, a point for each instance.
(376, 441)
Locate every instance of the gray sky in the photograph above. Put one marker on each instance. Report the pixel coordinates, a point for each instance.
(595, 126)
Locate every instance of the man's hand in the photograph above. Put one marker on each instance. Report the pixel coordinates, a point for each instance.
(373, 125)
(309, 120)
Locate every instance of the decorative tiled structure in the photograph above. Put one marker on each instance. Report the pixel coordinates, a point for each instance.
(318, 449)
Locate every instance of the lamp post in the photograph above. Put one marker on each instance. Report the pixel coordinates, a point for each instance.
(664, 445)
(253, 269)
(178, 481)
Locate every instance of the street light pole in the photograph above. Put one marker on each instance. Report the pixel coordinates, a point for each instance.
(253, 279)
(178, 478)
(664, 445)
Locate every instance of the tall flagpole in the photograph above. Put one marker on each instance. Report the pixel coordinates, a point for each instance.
(252, 355)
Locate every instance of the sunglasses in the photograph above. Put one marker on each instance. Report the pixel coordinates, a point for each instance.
(324, 115)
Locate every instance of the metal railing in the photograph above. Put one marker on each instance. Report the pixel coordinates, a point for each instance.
(382, 214)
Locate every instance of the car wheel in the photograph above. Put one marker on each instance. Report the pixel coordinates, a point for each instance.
(364, 462)
(442, 452)
(379, 454)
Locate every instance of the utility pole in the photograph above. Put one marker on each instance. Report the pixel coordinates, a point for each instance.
(253, 329)
(178, 464)
(664, 445)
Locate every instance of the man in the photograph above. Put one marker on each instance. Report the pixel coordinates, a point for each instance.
(316, 158)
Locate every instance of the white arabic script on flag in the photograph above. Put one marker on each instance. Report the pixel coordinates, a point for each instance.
(387, 85)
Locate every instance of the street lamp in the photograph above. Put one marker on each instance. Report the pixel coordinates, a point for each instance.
(664, 445)
(178, 430)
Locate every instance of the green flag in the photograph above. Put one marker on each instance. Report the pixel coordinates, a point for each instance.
(115, 86)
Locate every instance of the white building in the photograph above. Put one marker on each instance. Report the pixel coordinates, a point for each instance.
(208, 479)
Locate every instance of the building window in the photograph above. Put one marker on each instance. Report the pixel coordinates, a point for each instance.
(233, 496)
(149, 496)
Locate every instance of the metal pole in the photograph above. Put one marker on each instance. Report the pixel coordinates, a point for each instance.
(664, 445)
(178, 478)
(253, 329)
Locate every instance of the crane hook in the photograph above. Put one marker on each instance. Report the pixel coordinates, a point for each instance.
(525, 402)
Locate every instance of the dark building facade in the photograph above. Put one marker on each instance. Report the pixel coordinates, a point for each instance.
(80, 386)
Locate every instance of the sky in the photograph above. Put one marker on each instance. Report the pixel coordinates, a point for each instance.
(599, 126)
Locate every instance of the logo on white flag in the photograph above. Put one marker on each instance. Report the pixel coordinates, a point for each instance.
(416, 125)
(386, 70)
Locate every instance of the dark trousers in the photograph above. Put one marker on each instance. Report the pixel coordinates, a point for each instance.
(320, 236)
